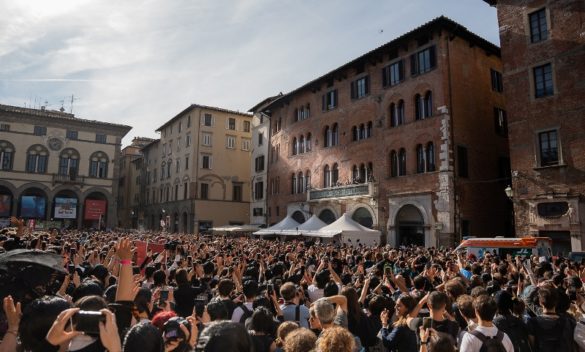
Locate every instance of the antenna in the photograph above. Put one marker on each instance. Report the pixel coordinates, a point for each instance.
(73, 98)
(62, 101)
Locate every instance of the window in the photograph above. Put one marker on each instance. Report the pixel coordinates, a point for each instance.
(393, 164)
(418, 107)
(36, 159)
(258, 212)
(185, 190)
(543, 81)
(6, 155)
(206, 140)
(207, 120)
(163, 169)
(178, 143)
(40, 131)
(277, 210)
(334, 174)
(500, 122)
(402, 162)
(308, 143)
(186, 162)
(307, 180)
(170, 147)
(301, 148)
(293, 184)
(326, 177)
(164, 149)
(430, 157)
(71, 134)
(69, 163)
(294, 146)
(497, 83)
(300, 183)
(188, 140)
(423, 106)
(231, 124)
(204, 191)
(360, 87)
(329, 100)
(397, 113)
(100, 138)
(259, 191)
(245, 144)
(246, 126)
(4, 127)
(180, 126)
(188, 121)
(548, 148)
(169, 165)
(335, 135)
(260, 138)
(393, 74)
(420, 159)
(237, 192)
(538, 26)
(206, 162)
(230, 142)
(154, 175)
(259, 163)
(422, 61)
(462, 162)
(178, 165)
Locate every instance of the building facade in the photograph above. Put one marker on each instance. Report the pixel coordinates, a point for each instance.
(198, 174)
(543, 53)
(410, 139)
(57, 169)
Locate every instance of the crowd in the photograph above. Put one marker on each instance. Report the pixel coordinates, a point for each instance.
(82, 291)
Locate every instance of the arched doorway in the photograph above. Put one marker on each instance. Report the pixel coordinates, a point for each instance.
(363, 217)
(65, 209)
(185, 222)
(33, 204)
(410, 227)
(5, 202)
(95, 213)
(327, 216)
(298, 216)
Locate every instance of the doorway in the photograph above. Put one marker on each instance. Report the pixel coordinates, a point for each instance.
(410, 229)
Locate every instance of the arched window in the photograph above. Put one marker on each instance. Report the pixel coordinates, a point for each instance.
(430, 157)
(369, 130)
(400, 113)
(418, 107)
(354, 133)
(428, 104)
(300, 183)
(301, 144)
(37, 158)
(6, 155)
(420, 159)
(393, 119)
(169, 164)
(308, 143)
(327, 137)
(334, 175)
(402, 162)
(335, 135)
(393, 164)
(69, 162)
(370, 172)
(98, 165)
(307, 180)
(362, 132)
(293, 184)
(163, 170)
(362, 177)
(355, 174)
(294, 146)
(326, 176)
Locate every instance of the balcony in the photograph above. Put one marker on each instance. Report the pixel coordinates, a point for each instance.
(353, 190)
(68, 179)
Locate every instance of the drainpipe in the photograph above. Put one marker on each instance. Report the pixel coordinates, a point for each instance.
(452, 137)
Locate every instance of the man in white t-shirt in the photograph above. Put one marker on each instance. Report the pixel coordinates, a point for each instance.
(485, 310)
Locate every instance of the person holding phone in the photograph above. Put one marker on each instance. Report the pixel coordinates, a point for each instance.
(400, 337)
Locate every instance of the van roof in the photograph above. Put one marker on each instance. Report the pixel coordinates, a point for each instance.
(496, 242)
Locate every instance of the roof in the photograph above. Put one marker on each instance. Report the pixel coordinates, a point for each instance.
(206, 107)
(491, 2)
(437, 23)
(266, 101)
(58, 115)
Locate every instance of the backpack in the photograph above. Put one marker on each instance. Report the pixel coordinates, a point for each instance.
(246, 315)
(552, 339)
(516, 331)
(490, 344)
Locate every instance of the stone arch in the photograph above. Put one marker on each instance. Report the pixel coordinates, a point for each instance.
(355, 209)
(393, 226)
(299, 216)
(36, 203)
(327, 214)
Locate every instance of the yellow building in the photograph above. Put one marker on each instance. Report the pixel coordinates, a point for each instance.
(56, 167)
(198, 174)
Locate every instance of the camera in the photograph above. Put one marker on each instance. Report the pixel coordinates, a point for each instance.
(172, 329)
(88, 322)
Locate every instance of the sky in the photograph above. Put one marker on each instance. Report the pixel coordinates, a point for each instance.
(140, 62)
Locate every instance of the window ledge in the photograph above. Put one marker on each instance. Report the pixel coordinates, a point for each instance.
(558, 166)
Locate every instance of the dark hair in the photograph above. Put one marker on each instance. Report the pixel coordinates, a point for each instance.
(322, 278)
(353, 304)
(444, 343)
(142, 300)
(331, 289)
(37, 319)
(92, 303)
(225, 287)
(262, 322)
(181, 277)
(378, 303)
(288, 291)
(149, 271)
(485, 307)
(419, 282)
(224, 336)
(465, 306)
(87, 288)
(143, 337)
(478, 291)
(159, 278)
(217, 311)
(548, 297)
(437, 300)
(250, 289)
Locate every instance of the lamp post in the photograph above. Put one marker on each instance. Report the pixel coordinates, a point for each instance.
(509, 192)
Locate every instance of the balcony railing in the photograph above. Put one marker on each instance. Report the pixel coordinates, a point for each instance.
(68, 179)
(362, 189)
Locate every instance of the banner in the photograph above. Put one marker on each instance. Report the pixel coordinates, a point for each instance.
(65, 208)
(5, 200)
(94, 208)
(32, 207)
(143, 247)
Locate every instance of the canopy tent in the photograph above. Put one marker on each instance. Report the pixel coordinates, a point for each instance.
(236, 228)
(350, 231)
(287, 223)
(308, 227)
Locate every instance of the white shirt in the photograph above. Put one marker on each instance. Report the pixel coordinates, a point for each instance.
(470, 343)
(238, 312)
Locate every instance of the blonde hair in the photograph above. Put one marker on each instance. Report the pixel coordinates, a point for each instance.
(336, 339)
(300, 340)
(283, 330)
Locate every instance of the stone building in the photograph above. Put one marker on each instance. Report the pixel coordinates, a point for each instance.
(198, 174)
(543, 54)
(409, 138)
(57, 169)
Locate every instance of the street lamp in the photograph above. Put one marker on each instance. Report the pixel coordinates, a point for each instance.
(509, 192)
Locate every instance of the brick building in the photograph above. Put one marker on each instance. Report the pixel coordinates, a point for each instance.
(543, 53)
(409, 138)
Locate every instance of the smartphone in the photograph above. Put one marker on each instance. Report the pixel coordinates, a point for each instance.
(72, 251)
(71, 269)
(427, 321)
(190, 260)
(387, 271)
(270, 289)
(164, 296)
(88, 322)
(199, 307)
(135, 270)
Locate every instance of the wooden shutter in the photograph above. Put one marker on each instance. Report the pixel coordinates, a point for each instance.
(413, 68)
(367, 84)
(353, 89)
(432, 56)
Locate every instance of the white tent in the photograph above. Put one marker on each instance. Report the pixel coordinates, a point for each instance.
(310, 226)
(236, 228)
(287, 223)
(350, 232)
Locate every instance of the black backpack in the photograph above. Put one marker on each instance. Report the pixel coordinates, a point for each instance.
(552, 339)
(246, 315)
(516, 331)
(490, 344)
